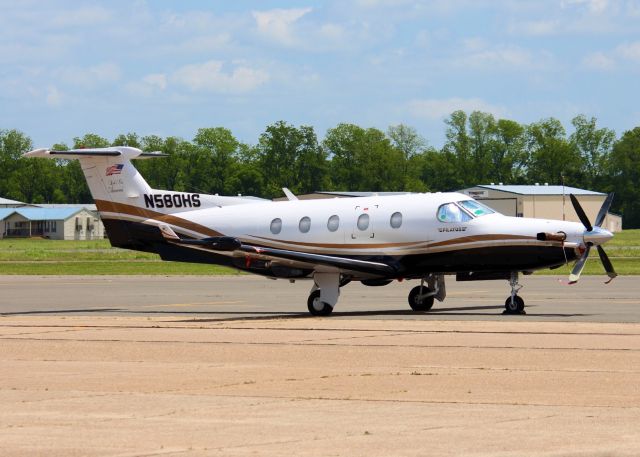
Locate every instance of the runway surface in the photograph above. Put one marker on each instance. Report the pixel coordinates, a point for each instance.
(244, 297)
(234, 366)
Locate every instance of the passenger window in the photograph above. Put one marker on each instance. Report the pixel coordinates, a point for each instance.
(305, 224)
(396, 220)
(333, 223)
(363, 222)
(276, 225)
(452, 213)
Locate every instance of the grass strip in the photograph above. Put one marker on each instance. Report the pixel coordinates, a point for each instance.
(113, 268)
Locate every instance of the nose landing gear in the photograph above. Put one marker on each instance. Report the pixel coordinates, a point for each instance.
(514, 303)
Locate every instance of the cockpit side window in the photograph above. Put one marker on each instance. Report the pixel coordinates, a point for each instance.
(451, 212)
(476, 208)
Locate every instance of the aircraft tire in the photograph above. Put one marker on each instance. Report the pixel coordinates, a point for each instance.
(517, 307)
(313, 301)
(420, 305)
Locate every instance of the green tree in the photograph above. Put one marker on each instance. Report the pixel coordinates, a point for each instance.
(594, 146)
(458, 148)
(291, 157)
(220, 148)
(363, 159)
(12, 145)
(482, 130)
(407, 140)
(551, 155)
(126, 139)
(624, 176)
(90, 140)
(508, 153)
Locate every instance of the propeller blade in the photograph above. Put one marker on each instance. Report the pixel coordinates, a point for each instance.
(580, 212)
(579, 266)
(606, 263)
(604, 210)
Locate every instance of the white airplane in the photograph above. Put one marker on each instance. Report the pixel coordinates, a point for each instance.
(374, 240)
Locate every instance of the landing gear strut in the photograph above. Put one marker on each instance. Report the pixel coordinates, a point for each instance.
(514, 303)
(324, 293)
(421, 297)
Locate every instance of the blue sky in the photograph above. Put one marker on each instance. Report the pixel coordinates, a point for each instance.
(168, 68)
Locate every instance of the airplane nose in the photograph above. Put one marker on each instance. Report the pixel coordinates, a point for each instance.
(597, 236)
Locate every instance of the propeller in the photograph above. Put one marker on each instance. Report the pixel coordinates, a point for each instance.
(593, 236)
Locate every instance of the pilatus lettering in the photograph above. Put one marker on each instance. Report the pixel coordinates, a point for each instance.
(452, 229)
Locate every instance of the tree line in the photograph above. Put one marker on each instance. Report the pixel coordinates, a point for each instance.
(479, 149)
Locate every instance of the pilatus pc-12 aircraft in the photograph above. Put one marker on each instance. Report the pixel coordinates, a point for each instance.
(374, 240)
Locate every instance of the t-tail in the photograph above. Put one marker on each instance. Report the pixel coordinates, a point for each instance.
(132, 211)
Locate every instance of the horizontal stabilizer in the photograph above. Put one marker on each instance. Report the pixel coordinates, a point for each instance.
(116, 151)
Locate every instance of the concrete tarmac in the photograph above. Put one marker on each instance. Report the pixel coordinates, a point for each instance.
(244, 297)
(184, 366)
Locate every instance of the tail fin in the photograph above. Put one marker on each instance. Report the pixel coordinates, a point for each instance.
(129, 208)
(111, 176)
(133, 213)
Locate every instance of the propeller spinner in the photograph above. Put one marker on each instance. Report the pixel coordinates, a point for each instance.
(593, 236)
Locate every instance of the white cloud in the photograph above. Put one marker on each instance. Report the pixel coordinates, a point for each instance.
(210, 77)
(629, 51)
(535, 28)
(435, 109)
(103, 73)
(510, 57)
(54, 96)
(598, 61)
(149, 85)
(81, 17)
(277, 24)
(594, 6)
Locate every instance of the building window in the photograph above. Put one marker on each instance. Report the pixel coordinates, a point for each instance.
(305, 224)
(363, 222)
(396, 220)
(333, 223)
(276, 225)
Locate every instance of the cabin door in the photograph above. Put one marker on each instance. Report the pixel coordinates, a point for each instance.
(363, 222)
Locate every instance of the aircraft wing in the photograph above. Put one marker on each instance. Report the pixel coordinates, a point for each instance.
(234, 247)
(343, 263)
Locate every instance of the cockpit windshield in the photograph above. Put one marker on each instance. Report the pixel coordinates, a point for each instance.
(452, 213)
(462, 211)
(477, 209)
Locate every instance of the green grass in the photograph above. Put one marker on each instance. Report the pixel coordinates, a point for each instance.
(97, 257)
(112, 268)
(623, 266)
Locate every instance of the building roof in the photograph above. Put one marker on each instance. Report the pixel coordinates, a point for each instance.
(89, 206)
(539, 190)
(359, 194)
(41, 214)
(7, 201)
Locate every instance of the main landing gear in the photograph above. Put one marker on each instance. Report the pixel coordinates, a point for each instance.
(421, 297)
(514, 303)
(324, 293)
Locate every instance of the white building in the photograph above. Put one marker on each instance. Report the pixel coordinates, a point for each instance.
(74, 223)
(543, 202)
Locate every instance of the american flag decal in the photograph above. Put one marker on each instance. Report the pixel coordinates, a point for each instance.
(115, 169)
